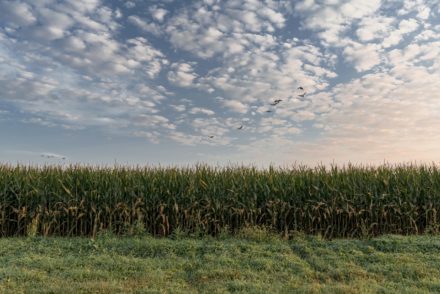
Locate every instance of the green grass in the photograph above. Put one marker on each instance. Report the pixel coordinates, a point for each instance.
(350, 201)
(253, 262)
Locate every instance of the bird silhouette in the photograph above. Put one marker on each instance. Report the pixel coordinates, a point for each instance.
(303, 93)
(240, 127)
(276, 102)
(211, 136)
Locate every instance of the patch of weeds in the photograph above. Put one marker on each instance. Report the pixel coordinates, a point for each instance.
(178, 234)
(258, 233)
(135, 229)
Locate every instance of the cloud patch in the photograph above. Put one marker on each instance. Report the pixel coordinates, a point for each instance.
(192, 73)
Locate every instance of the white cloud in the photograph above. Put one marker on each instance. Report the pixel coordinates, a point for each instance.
(53, 18)
(151, 120)
(235, 106)
(383, 116)
(364, 57)
(424, 13)
(408, 26)
(428, 35)
(74, 44)
(395, 37)
(144, 57)
(184, 138)
(17, 13)
(178, 108)
(182, 74)
(71, 64)
(422, 7)
(337, 15)
(80, 75)
(214, 127)
(152, 136)
(206, 32)
(159, 13)
(150, 27)
(83, 5)
(373, 28)
(130, 4)
(201, 110)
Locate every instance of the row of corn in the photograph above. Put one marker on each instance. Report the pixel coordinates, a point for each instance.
(348, 201)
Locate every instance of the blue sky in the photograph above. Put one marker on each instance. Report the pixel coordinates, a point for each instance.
(138, 82)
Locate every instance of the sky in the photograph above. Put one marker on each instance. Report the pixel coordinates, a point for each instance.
(170, 82)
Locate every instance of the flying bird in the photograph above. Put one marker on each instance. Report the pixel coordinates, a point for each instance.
(303, 93)
(276, 102)
(268, 111)
(240, 127)
(211, 136)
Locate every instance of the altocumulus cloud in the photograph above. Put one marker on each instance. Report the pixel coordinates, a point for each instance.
(176, 73)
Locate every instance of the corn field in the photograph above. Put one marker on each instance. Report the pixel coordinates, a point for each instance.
(349, 201)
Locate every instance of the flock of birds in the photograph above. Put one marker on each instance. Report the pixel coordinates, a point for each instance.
(274, 103)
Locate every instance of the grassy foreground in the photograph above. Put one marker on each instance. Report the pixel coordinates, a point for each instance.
(251, 263)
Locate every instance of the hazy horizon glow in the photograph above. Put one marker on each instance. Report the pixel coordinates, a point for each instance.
(147, 82)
